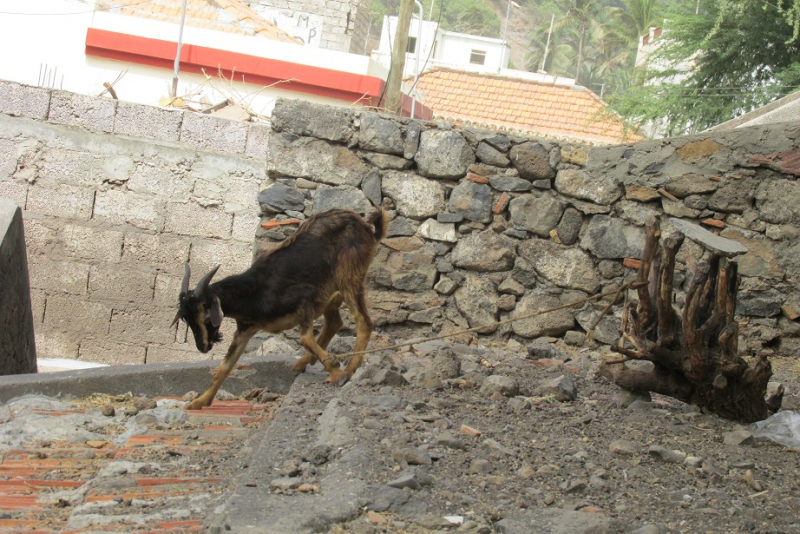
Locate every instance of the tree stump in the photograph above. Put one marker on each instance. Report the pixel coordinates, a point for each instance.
(694, 351)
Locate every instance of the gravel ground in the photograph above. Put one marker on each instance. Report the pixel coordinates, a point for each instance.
(498, 446)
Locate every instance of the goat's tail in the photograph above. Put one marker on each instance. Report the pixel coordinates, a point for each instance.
(380, 221)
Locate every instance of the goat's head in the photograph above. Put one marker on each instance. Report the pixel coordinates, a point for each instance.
(201, 310)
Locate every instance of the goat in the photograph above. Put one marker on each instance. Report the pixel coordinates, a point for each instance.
(311, 273)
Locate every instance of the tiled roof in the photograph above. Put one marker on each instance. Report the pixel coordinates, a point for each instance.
(520, 105)
(230, 16)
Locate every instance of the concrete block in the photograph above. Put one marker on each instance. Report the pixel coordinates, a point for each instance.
(76, 317)
(123, 207)
(195, 220)
(122, 282)
(111, 352)
(213, 133)
(58, 166)
(162, 176)
(245, 226)
(156, 250)
(40, 235)
(17, 343)
(88, 112)
(14, 190)
(24, 101)
(58, 276)
(177, 352)
(91, 243)
(242, 195)
(61, 200)
(140, 325)
(168, 287)
(152, 122)
(233, 257)
(50, 344)
(257, 141)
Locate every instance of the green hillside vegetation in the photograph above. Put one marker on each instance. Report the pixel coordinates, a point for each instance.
(743, 53)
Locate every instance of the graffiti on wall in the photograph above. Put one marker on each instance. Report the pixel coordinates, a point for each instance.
(300, 25)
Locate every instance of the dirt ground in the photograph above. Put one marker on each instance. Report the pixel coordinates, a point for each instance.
(646, 467)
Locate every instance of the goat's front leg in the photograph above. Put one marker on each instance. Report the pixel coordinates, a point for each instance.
(240, 339)
(307, 340)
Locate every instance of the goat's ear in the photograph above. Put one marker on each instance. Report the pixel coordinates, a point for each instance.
(185, 284)
(216, 312)
(177, 318)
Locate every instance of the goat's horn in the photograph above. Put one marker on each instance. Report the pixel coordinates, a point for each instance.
(185, 283)
(202, 285)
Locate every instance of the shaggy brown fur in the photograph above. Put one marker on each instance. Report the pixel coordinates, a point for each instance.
(312, 273)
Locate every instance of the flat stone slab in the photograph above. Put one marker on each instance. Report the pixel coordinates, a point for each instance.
(716, 244)
(167, 379)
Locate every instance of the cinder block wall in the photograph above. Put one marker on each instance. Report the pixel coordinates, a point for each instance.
(116, 198)
(17, 348)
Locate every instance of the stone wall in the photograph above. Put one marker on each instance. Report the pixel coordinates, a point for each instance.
(17, 345)
(116, 198)
(487, 226)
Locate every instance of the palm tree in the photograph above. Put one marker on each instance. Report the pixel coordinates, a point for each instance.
(578, 14)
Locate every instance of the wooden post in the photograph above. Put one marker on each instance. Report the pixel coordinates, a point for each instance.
(395, 78)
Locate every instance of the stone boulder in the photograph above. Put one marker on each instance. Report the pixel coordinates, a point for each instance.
(778, 201)
(327, 198)
(302, 117)
(414, 196)
(380, 135)
(536, 214)
(484, 252)
(565, 267)
(554, 323)
(472, 200)
(443, 154)
(601, 188)
(278, 198)
(314, 159)
(532, 161)
(491, 156)
(608, 238)
(476, 299)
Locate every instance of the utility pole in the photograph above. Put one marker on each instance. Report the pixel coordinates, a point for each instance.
(398, 56)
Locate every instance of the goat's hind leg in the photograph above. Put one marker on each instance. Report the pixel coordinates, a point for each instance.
(240, 339)
(364, 327)
(331, 324)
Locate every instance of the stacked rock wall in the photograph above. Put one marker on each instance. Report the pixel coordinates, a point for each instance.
(487, 226)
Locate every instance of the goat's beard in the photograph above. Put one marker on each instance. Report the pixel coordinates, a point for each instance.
(217, 337)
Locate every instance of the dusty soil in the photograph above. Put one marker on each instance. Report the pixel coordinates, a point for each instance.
(536, 460)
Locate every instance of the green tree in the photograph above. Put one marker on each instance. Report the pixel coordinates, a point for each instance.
(717, 60)
(580, 15)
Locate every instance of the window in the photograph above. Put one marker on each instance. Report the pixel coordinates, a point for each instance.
(412, 45)
(477, 57)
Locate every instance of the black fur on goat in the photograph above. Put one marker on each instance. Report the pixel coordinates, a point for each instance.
(312, 273)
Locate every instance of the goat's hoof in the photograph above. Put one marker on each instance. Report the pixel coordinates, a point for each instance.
(298, 369)
(337, 378)
(197, 404)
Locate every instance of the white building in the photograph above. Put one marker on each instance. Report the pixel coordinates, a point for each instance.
(430, 46)
(227, 53)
